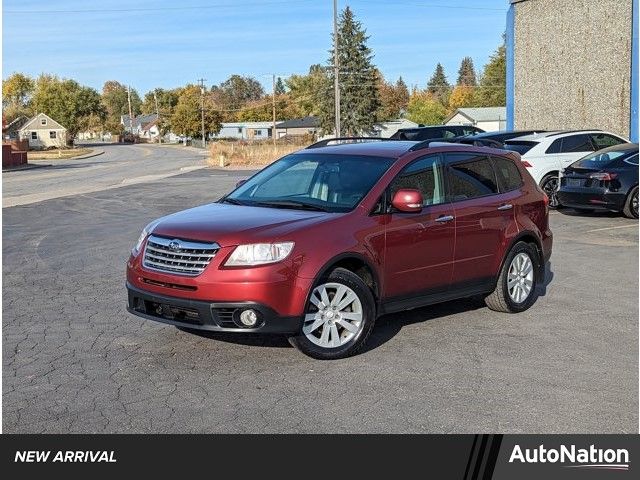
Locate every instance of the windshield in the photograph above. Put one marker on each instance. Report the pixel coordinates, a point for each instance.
(601, 159)
(520, 147)
(332, 183)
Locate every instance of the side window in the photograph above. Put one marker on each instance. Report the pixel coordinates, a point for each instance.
(604, 140)
(509, 177)
(555, 146)
(576, 143)
(428, 134)
(471, 176)
(468, 131)
(448, 133)
(424, 175)
(633, 160)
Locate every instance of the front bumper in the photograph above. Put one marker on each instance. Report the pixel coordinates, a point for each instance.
(591, 198)
(210, 316)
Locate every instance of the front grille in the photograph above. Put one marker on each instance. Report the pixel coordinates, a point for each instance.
(178, 256)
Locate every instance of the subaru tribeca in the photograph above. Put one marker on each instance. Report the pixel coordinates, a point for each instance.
(320, 243)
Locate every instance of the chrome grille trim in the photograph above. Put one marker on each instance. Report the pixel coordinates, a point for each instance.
(190, 258)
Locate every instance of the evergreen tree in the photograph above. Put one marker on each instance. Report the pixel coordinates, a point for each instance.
(359, 99)
(466, 73)
(492, 91)
(402, 95)
(438, 85)
(280, 90)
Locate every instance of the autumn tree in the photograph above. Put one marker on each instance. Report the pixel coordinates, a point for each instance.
(438, 86)
(305, 90)
(16, 96)
(461, 96)
(492, 89)
(393, 98)
(466, 73)
(186, 118)
(116, 102)
(359, 99)
(67, 102)
(425, 108)
(167, 101)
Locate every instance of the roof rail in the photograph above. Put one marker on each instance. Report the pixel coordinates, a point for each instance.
(435, 143)
(562, 132)
(327, 141)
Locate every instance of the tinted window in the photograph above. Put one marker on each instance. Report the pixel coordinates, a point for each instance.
(424, 175)
(604, 140)
(468, 130)
(576, 143)
(509, 177)
(633, 160)
(520, 147)
(471, 177)
(555, 146)
(335, 183)
(598, 159)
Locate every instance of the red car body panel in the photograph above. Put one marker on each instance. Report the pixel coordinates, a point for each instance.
(409, 254)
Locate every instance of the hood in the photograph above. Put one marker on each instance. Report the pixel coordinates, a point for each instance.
(234, 224)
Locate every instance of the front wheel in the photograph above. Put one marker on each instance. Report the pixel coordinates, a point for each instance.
(515, 289)
(339, 317)
(550, 186)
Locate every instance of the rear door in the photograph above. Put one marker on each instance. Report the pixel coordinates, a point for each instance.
(572, 148)
(419, 246)
(483, 215)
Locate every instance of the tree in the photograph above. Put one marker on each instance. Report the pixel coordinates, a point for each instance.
(492, 90)
(425, 108)
(167, 101)
(359, 99)
(67, 102)
(305, 90)
(461, 96)
(393, 98)
(186, 119)
(237, 90)
(466, 73)
(280, 90)
(438, 85)
(16, 95)
(402, 95)
(115, 100)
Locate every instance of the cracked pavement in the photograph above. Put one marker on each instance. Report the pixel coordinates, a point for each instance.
(75, 361)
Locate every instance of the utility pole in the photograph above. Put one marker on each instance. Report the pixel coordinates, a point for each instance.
(155, 98)
(273, 130)
(336, 85)
(130, 113)
(201, 82)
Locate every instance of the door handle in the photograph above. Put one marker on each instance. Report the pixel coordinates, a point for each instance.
(444, 218)
(506, 206)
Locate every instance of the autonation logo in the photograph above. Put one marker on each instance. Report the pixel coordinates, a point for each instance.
(592, 457)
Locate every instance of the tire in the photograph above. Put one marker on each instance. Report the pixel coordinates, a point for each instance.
(631, 204)
(549, 185)
(324, 335)
(501, 300)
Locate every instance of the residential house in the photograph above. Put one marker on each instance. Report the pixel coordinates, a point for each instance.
(43, 132)
(298, 126)
(11, 130)
(245, 130)
(135, 125)
(488, 119)
(150, 130)
(387, 129)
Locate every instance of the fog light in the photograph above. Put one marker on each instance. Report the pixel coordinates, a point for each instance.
(249, 318)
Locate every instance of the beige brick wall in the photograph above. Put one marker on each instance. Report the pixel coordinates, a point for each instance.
(572, 63)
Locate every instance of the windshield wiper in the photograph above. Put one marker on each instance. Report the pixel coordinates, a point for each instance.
(232, 201)
(291, 204)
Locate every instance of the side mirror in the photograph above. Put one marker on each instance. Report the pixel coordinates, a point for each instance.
(407, 200)
(241, 182)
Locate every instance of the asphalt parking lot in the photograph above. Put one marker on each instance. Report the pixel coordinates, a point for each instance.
(75, 361)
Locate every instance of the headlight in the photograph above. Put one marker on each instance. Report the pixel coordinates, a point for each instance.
(145, 231)
(259, 254)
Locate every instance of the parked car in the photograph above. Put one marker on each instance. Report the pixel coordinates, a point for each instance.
(320, 243)
(603, 180)
(545, 154)
(435, 132)
(493, 139)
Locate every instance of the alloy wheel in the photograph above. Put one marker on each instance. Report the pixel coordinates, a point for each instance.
(550, 187)
(520, 278)
(634, 204)
(334, 316)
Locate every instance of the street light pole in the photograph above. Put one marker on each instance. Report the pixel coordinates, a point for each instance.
(336, 85)
(201, 81)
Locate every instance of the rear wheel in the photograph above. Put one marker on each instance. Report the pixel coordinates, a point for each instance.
(549, 185)
(515, 289)
(339, 317)
(631, 205)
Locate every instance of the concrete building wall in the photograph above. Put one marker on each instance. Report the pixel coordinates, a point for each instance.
(571, 64)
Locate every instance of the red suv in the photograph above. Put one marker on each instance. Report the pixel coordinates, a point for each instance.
(320, 243)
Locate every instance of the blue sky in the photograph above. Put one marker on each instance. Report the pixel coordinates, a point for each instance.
(150, 44)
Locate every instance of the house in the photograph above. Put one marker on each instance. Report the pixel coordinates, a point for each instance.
(573, 65)
(387, 129)
(150, 130)
(10, 131)
(488, 119)
(298, 126)
(135, 125)
(43, 132)
(245, 130)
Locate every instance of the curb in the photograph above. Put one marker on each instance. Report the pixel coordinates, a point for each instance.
(89, 155)
(28, 166)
